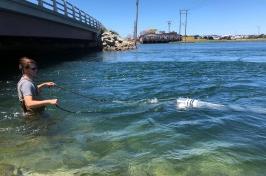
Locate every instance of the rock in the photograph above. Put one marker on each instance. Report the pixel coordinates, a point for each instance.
(106, 34)
(119, 40)
(160, 166)
(108, 38)
(74, 161)
(115, 37)
(47, 163)
(104, 44)
(9, 170)
(112, 48)
(111, 41)
(117, 43)
(138, 169)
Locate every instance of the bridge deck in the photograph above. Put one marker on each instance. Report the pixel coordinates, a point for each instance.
(46, 18)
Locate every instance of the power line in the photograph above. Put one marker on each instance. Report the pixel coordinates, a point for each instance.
(169, 25)
(183, 13)
(136, 21)
(258, 28)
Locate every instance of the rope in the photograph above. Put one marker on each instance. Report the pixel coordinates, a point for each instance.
(65, 110)
(81, 95)
(76, 112)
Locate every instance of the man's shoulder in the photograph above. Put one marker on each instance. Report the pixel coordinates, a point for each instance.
(25, 82)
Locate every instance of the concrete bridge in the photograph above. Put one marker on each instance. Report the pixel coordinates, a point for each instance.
(45, 29)
(46, 18)
(27, 25)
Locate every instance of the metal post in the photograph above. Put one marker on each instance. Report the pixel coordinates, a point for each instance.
(80, 18)
(137, 18)
(40, 3)
(180, 13)
(183, 12)
(169, 26)
(89, 20)
(74, 13)
(85, 16)
(55, 5)
(186, 27)
(258, 27)
(65, 7)
(136, 22)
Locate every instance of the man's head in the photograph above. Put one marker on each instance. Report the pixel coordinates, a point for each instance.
(28, 66)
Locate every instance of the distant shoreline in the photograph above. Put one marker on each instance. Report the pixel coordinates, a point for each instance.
(235, 40)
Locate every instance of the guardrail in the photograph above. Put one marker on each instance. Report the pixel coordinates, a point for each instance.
(67, 9)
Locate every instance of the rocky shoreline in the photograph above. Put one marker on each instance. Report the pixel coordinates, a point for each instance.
(111, 41)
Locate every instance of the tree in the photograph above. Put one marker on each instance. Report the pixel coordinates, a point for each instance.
(149, 31)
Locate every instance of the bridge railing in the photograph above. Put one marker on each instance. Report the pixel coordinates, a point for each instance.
(69, 10)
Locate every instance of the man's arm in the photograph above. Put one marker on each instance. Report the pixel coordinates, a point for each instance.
(46, 84)
(30, 103)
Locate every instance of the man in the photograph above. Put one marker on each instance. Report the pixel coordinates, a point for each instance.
(28, 92)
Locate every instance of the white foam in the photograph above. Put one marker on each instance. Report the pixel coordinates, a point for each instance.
(143, 101)
(153, 101)
(186, 103)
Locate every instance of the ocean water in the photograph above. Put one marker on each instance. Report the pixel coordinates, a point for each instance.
(195, 109)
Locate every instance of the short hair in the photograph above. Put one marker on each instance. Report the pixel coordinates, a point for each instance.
(25, 62)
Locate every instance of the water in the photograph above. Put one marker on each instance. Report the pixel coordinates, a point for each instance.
(139, 129)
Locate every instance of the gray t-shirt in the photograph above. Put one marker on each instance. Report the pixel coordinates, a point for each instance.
(26, 87)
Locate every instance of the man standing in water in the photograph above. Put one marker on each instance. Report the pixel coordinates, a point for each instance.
(28, 92)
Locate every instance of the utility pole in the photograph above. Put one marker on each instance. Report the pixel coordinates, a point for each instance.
(258, 28)
(136, 23)
(183, 12)
(180, 19)
(186, 27)
(169, 26)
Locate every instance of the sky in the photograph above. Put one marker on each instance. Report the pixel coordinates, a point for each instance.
(205, 17)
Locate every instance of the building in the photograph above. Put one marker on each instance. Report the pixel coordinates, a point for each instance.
(160, 38)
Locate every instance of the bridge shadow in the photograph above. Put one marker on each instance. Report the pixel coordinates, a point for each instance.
(46, 52)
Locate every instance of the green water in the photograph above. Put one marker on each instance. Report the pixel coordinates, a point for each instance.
(138, 130)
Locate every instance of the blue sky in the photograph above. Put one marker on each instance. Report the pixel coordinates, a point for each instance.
(221, 17)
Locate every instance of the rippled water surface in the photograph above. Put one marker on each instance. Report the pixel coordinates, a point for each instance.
(133, 125)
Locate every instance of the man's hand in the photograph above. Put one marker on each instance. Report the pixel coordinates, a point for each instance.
(46, 84)
(49, 84)
(54, 101)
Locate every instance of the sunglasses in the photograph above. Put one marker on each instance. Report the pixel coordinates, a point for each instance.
(34, 68)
